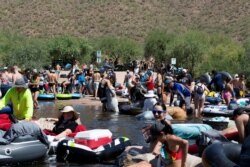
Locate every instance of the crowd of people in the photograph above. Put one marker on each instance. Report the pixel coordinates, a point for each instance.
(156, 91)
(168, 85)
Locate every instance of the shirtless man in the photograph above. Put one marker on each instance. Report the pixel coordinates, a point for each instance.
(96, 82)
(53, 80)
(15, 74)
(158, 83)
(238, 85)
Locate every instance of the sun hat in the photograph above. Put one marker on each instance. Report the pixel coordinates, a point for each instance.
(184, 70)
(236, 76)
(150, 93)
(70, 109)
(20, 83)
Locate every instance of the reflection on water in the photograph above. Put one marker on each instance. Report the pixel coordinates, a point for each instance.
(93, 117)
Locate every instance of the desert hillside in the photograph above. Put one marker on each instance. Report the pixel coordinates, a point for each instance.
(131, 18)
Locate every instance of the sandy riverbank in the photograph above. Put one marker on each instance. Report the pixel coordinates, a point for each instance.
(89, 100)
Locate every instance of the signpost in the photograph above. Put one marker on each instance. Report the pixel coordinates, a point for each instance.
(173, 61)
(98, 56)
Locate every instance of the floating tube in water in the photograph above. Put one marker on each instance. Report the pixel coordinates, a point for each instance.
(245, 153)
(6, 110)
(148, 115)
(243, 102)
(221, 154)
(130, 109)
(226, 75)
(63, 96)
(213, 100)
(217, 110)
(22, 149)
(69, 151)
(189, 131)
(76, 95)
(46, 97)
(205, 78)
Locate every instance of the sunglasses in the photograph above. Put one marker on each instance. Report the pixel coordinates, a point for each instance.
(157, 111)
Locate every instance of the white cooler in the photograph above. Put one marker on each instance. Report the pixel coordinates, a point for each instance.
(94, 138)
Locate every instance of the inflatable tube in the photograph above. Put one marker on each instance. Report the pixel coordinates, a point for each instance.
(245, 153)
(218, 123)
(6, 110)
(242, 102)
(213, 100)
(63, 96)
(68, 150)
(148, 115)
(189, 131)
(130, 109)
(205, 78)
(22, 149)
(217, 110)
(46, 97)
(221, 154)
(226, 75)
(76, 95)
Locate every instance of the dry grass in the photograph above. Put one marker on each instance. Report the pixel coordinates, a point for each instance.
(131, 18)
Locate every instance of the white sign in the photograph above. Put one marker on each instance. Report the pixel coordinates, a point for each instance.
(98, 56)
(173, 60)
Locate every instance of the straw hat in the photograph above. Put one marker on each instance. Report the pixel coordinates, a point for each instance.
(70, 109)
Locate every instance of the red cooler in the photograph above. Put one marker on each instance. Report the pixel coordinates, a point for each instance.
(94, 138)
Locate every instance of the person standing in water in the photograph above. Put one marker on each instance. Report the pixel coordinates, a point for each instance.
(21, 99)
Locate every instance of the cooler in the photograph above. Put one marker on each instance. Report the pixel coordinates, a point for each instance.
(94, 138)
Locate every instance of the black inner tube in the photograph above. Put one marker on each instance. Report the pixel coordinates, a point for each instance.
(225, 154)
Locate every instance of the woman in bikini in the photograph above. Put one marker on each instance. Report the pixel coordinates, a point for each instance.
(34, 88)
(228, 92)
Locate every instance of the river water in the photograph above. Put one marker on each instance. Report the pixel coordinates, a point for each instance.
(93, 117)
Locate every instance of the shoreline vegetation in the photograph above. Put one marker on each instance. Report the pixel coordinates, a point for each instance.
(195, 34)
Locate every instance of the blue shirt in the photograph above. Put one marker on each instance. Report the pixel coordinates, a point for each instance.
(181, 89)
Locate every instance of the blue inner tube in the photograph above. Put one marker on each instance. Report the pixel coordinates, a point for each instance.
(222, 154)
(76, 95)
(46, 97)
(6, 110)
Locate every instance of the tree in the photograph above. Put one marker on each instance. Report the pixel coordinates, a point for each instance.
(123, 49)
(69, 48)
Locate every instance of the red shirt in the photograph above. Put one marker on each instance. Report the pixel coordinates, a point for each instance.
(150, 84)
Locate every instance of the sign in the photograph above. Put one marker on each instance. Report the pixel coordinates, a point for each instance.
(173, 60)
(98, 56)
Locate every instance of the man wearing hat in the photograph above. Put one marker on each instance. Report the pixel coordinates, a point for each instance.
(21, 99)
(150, 100)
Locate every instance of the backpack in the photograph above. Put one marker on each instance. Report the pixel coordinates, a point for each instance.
(199, 89)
